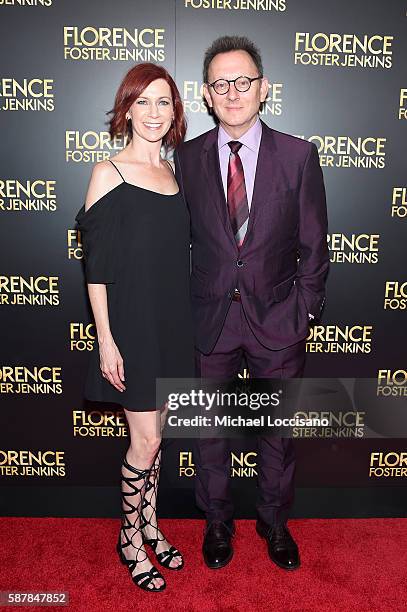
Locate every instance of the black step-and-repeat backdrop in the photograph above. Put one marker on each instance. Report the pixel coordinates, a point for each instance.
(337, 78)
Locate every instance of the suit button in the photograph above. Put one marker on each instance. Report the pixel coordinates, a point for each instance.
(239, 263)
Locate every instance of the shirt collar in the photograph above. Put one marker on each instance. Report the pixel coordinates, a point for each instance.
(250, 139)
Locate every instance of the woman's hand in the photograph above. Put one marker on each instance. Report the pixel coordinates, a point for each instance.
(111, 364)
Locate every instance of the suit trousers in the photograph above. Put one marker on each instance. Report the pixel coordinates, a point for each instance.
(275, 456)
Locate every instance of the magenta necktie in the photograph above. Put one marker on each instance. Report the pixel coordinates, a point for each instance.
(237, 197)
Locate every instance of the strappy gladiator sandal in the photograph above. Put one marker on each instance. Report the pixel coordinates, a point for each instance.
(132, 501)
(148, 511)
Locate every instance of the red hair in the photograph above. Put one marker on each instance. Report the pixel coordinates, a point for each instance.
(134, 83)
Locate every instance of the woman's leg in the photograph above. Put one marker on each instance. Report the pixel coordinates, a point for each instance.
(145, 439)
(151, 529)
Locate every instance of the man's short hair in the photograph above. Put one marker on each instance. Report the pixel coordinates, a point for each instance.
(224, 44)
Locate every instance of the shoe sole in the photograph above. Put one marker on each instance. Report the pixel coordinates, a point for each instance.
(284, 567)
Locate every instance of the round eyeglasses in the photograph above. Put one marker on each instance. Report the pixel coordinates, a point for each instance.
(241, 83)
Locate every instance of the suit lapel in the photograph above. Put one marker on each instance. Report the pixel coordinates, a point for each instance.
(211, 165)
(264, 178)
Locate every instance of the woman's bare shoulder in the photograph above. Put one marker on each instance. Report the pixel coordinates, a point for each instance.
(103, 179)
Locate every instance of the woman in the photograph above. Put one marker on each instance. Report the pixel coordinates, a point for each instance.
(135, 233)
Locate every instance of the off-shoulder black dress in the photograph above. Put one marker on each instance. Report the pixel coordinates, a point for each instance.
(136, 241)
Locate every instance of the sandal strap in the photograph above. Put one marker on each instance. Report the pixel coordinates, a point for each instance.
(145, 578)
(168, 555)
(151, 542)
(133, 505)
(141, 473)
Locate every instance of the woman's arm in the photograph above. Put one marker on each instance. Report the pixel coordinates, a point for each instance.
(103, 179)
(111, 362)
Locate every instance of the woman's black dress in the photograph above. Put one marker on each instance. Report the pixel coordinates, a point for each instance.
(136, 242)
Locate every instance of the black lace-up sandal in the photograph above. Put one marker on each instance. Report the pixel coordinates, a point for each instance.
(132, 501)
(148, 512)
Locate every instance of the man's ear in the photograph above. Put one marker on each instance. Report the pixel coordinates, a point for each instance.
(264, 89)
(207, 95)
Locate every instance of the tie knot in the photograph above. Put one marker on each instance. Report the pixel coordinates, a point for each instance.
(234, 146)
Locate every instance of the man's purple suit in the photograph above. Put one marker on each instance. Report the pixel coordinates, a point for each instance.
(280, 271)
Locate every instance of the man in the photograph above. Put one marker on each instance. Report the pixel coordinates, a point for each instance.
(259, 263)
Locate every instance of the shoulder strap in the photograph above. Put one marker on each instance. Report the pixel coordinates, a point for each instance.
(117, 170)
(171, 168)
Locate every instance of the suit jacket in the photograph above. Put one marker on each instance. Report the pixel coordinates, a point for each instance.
(281, 268)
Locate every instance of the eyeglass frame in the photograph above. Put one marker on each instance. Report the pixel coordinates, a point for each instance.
(229, 81)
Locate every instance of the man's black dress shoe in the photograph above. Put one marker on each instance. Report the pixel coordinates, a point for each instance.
(282, 548)
(217, 545)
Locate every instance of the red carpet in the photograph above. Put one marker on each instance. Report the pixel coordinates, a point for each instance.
(347, 565)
